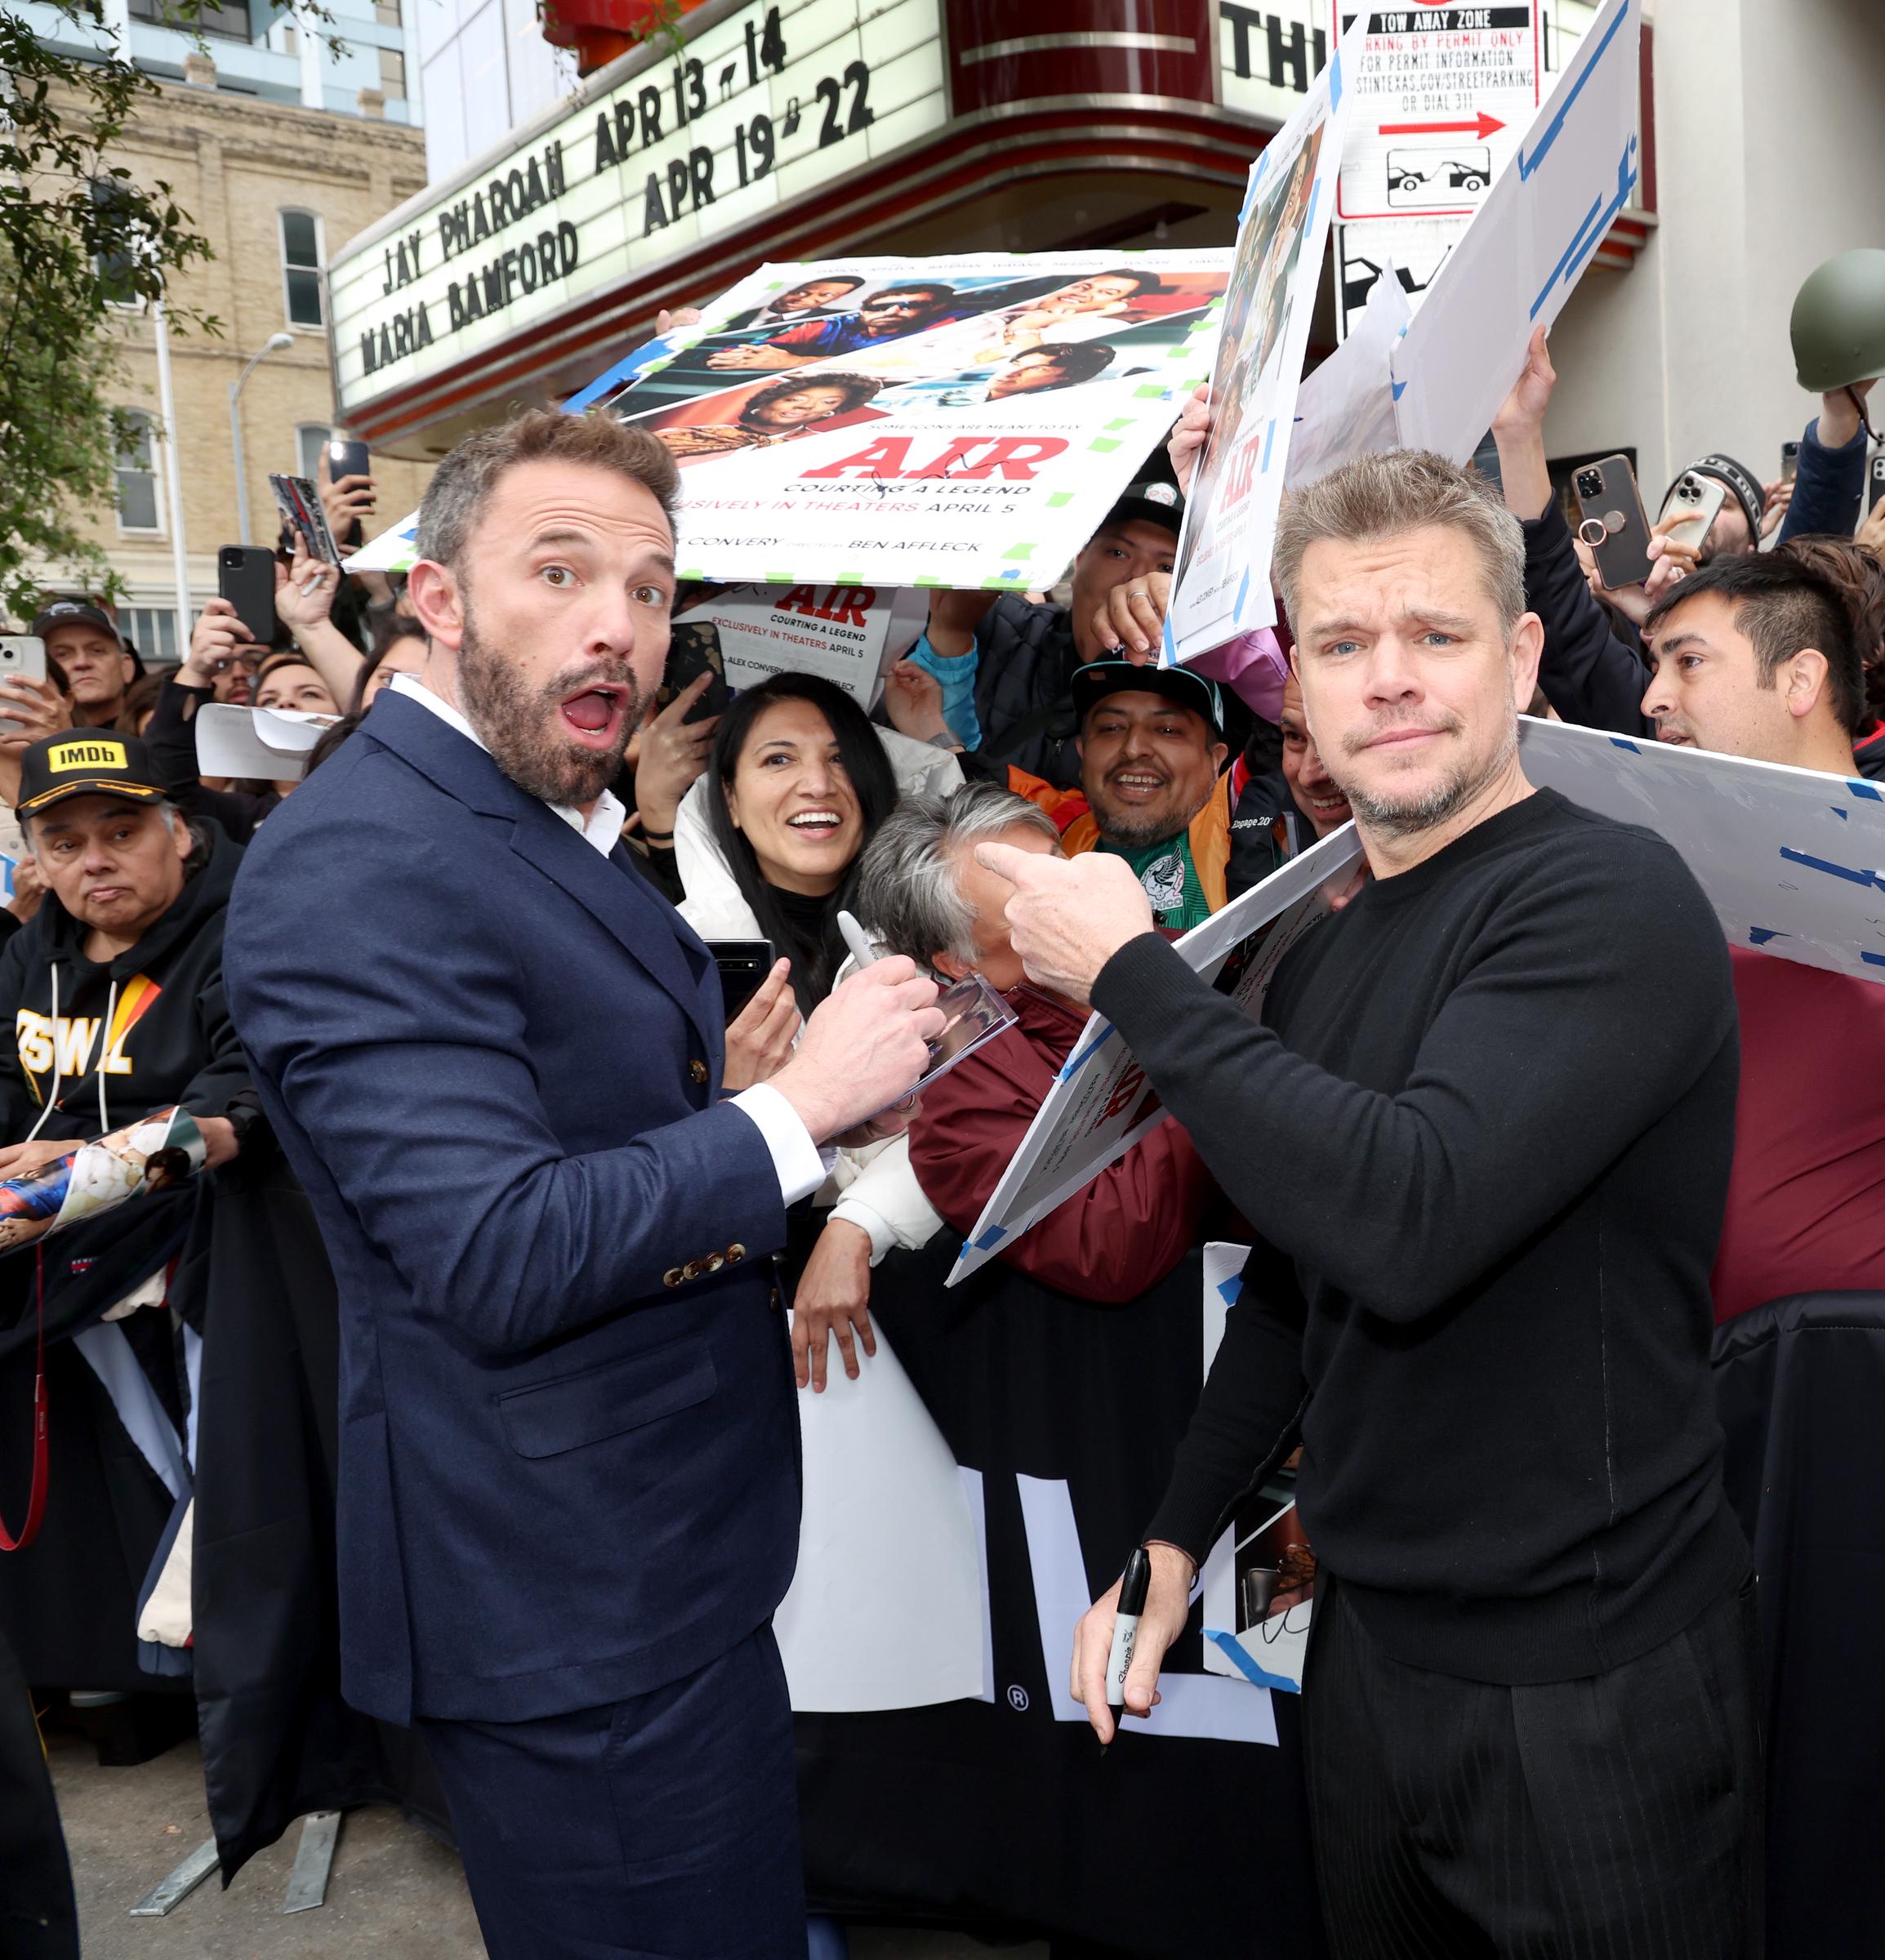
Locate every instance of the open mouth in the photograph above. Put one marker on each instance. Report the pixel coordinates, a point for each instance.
(594, 716)
(1136, 785)
(1674, 740)
(818, 826)
(1326, 806)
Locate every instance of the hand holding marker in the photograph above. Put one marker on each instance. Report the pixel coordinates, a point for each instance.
(1132, 1588)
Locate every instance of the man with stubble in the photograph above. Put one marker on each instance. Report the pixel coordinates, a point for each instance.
(1482, 1132)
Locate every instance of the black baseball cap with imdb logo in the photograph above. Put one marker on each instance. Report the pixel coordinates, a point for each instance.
(86, 762)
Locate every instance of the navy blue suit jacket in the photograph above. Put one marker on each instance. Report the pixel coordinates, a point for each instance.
(568, 1442)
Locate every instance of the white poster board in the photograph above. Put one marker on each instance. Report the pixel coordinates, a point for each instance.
(1102, 1103)
(1792, 860)
(974, 436)
(1222, 585)
(885, 1610)
(1536, 231)
(847, 634)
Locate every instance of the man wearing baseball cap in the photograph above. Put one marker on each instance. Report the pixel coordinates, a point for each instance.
(113, 993)
(91, 653)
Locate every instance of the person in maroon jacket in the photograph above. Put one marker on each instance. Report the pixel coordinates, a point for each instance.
(922, 892)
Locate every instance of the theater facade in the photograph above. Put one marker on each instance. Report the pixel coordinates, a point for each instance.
(755, 130)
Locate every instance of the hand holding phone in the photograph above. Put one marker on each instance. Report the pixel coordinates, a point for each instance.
(246, 577)
(1697, 501)
(1613, 524)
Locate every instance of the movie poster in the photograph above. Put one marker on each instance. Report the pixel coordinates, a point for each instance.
(1223, 585)
(961, 421)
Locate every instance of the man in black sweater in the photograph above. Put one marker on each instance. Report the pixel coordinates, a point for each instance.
(1484, 1129)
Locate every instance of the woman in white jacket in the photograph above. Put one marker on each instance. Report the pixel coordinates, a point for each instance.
(767, 844)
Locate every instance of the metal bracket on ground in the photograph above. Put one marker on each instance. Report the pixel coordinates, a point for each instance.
(169, 1893)
(314, 1859)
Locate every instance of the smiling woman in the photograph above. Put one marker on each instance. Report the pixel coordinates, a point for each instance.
(796, 786)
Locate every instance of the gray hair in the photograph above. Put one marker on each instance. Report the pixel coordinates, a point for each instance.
(907, 889)
(456, 497)
(1386, 494)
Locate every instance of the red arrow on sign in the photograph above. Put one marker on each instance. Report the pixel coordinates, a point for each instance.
(1482, 127)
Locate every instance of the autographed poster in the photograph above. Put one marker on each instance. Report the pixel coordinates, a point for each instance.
(1223, 584)
(959, 422)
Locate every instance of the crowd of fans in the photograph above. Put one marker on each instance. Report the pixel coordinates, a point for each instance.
(1042, 721)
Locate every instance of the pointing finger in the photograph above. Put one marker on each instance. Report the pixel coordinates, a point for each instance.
(1005, 860)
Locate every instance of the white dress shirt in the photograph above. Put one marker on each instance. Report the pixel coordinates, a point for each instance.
(797, 1159)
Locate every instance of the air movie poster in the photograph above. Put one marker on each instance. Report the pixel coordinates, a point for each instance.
(961, 421)
(1223, 585)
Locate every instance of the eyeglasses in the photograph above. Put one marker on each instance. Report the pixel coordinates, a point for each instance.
(247, 662)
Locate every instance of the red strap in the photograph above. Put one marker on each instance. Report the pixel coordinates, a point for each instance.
(36, 1503)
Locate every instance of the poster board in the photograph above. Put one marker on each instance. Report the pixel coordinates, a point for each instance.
(1536, 231)
(1221, 586)
(1102, 1103)
(1792, 860)
(959, 422)
(847, 634)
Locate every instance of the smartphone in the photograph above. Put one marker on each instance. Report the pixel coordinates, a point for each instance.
(245, 576)
(1789, 461)
(300, 504)
(348, 459)
(744, 964)
(22, 658)
(1697, 501)
(1874, 483)
(1613, 524)
(693, 649)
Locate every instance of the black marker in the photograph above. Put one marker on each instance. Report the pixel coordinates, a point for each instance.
(1132, 1588)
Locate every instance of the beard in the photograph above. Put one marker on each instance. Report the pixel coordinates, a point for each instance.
(1407, 815)
(1135, 827)
(519, 723)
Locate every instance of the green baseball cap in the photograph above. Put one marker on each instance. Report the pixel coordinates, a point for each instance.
(1838, 324)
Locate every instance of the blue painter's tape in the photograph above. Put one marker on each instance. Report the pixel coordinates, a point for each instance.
(1309, 215)
(1871, 879)
(1167, 647)
(1075, 1064)
(1400, 390)
(1590, 234)
(1759, 935)
(1243, 593)
(1228, 1644)
(1335, 85)
(991, 1238)
(1555, 127)
(1866, 792)
(1872, 958)
(1231, 1288)
(1623, 742)
(1844, 815)
(1269, 436)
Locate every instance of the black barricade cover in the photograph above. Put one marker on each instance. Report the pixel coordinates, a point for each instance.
(278, 1740)
(997, 1816)
(1800, 1383)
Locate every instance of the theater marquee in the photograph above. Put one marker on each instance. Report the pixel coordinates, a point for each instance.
(762, 106)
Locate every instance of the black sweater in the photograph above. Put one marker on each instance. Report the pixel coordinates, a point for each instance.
(1488, 1120)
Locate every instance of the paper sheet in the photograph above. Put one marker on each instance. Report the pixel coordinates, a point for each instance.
(886, 1608)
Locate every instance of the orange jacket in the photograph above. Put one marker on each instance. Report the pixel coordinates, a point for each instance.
(1079, 828)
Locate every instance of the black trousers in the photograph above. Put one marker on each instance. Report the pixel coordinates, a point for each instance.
(1614, 1817)
(665, 1826)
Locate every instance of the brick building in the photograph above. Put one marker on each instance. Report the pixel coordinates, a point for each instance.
(276, 189)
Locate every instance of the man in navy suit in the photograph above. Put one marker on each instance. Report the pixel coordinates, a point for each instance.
(569, 1493)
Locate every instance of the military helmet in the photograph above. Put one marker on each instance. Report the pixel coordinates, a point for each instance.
(1838, 322)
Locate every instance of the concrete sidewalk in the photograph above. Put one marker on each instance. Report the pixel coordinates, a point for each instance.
(393, 1891)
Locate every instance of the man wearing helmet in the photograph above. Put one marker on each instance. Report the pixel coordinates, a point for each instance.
(1838, 330)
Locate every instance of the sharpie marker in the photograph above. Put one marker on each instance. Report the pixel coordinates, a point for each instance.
(858, 940)
(1132, 1588)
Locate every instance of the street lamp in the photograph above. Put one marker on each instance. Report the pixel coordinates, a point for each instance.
(277, 342)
